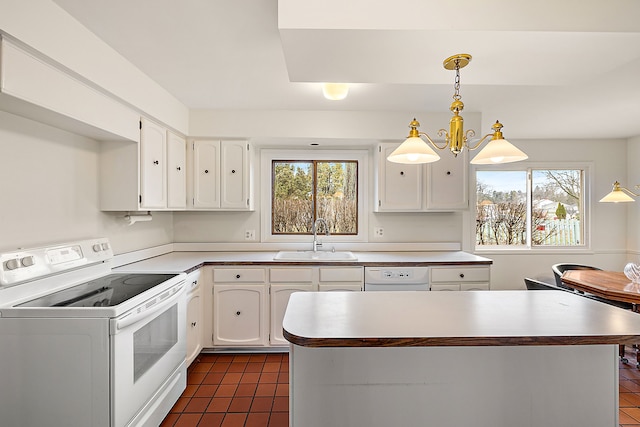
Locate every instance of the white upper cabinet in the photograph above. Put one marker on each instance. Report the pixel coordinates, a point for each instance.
(150, 175)
(221, 175)
(33, 86)
(206, 181)
(176, 171)
(153, 164)
(447, 179)
(438, 186)
(399, 186)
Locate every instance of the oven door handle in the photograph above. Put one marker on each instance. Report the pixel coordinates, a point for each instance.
(136, 317)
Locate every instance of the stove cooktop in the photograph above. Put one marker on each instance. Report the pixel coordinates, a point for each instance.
(105, 291)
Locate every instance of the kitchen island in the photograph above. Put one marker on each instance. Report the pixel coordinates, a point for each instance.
(487, 359)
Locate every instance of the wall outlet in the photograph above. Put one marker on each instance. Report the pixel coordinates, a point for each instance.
(249, 234)
(378, 232)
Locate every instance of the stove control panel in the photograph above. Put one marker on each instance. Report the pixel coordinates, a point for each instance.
(30, 264)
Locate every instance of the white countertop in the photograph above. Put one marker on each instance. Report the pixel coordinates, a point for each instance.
(480, 318)
(186, 261)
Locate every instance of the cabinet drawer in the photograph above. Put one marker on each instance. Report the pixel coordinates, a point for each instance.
(463, 274)
(291, 275)
(239, 275)
(341, 274)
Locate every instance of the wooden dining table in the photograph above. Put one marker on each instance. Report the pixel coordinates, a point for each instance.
(612, 285)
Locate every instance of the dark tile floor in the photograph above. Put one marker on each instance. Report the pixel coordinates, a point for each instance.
(252, 390)
(234, 390)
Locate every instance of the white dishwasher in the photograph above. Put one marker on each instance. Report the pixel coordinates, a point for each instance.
(396, 279)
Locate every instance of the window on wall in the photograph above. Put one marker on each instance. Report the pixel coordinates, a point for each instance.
(530, 208)
(304, 190)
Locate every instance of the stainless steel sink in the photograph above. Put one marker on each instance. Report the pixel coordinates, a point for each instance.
(315, 256)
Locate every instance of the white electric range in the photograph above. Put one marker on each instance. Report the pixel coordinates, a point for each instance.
(83, 346)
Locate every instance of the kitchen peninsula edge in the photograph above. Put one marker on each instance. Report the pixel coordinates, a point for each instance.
(488, 359)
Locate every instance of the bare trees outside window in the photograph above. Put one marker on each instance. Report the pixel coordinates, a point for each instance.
(306, 190)
(528, 208)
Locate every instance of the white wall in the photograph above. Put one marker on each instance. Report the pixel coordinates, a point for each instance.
(49, 29)
(49, 192)
(633, 209)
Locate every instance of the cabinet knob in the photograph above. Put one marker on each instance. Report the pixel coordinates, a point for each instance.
(401, 173)
(233, 171)
(193, 324)
(238, 313)
(237, 276)
(206, 171)
(462, 275)
(155, 162)
(448, 172)
(179, 168)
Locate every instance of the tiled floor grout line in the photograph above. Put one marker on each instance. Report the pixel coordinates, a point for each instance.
(252, 390)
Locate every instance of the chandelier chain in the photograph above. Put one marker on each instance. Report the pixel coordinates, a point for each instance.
(456, 85)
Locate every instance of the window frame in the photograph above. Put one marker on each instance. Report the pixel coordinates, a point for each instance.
(528, 167)
(267, 157)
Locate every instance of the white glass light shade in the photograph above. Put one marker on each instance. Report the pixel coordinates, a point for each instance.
(413, 151)
(617, 195)
(335, 91)
(498, 151)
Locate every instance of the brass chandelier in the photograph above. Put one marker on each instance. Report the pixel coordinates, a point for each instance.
(415, 150)
(620, 194)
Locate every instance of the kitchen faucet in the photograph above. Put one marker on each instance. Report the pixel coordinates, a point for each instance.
(314, 229)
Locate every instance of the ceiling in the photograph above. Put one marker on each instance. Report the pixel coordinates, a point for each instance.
(566, 69)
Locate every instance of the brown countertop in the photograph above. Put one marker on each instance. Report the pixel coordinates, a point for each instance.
(188, 261)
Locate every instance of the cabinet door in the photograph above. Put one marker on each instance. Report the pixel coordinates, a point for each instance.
(153, 185)
(194, 341)
(176, 172)
(446, 287)
(399, 186)
(279, 299)
(447, 187)
(206, 181)
(234, 174)
(239, 315)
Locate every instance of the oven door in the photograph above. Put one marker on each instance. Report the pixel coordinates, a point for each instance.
(148, 346)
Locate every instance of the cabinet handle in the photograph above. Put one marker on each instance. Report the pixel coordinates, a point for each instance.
(401, 173)
(155, 162)
(237, 276)
(193, 324)
(233, 171)
(206, 171)
(237, 313)
(462, 275)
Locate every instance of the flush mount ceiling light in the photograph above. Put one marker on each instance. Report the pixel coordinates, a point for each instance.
(415, 150)
(335, 91)
(619, 194)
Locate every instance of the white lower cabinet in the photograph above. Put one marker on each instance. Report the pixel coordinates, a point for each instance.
(194, 316)
(343, 279)
(240, 310)
(284, 281)
(462, 278)
(279, 297)
(239, 313)
(246, 305)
